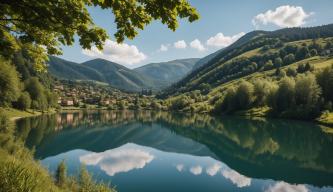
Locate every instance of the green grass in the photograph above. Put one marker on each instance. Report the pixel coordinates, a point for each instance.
(254, 112)
(16, 114)
(23, 175)
(326, 119)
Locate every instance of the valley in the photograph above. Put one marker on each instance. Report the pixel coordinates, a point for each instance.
(96, 96)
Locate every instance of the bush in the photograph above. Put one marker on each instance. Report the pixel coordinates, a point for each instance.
(291, 72)
(262, 89)
(227, 103)
(288, 59)
(285, 95)
(24, 101)
(307, 91)
(325, 80)
(244, 95)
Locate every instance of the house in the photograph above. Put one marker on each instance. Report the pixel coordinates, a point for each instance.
(105, 102)
(67, 102)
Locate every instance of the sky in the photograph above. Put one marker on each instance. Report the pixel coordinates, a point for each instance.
(221, 23)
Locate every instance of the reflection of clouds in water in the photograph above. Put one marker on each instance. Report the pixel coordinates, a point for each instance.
(118, 160)
(180, 167)
(236, 178)
(197, 170)
(213, 169)
(286, 187)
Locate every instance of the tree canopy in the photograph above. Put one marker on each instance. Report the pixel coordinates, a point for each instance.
(42, 26)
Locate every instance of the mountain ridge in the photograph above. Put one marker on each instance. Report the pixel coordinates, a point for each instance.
(121, 77)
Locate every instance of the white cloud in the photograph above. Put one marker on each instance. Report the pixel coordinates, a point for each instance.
(196, 44)
(236, 178)
(180, 167)
(213, 169)
(197, 170)
(118, 160)
(283, 16)
(119, 53)
(180, 44)
(286, 187)
(220, 40)
(164, 47)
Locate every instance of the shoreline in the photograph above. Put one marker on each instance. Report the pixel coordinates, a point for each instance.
(325, 120)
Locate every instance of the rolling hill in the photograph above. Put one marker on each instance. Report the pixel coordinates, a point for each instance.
(248, 55)
(154, 76)
(64, 69)
(259, 58)
(169, 72)
(100, 70)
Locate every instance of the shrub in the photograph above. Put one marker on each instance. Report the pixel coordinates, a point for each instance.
(285, 95)
(244, 94)
(24, 101)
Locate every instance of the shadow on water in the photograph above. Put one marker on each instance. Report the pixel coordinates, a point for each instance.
(292, 151)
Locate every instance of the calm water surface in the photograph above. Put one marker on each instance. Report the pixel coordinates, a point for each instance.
(159, 151)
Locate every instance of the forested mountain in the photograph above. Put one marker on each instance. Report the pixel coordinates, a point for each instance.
(120, 76)
(286, 73)
(72, 71)
(169, 72)
(250, 54)
(205, 60)
(101, 70)
(152, 76)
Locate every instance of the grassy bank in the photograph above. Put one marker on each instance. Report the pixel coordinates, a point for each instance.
(14, 114)
(325, 119)
(19, 171)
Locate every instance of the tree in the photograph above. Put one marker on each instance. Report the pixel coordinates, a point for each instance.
(278, 62)
(180, 103)
(244, 94)
(204, 88)
(227, 103)
(302, 53)
(61, 173)
(37, 93)
(285, 95)
(288, 59)
(52, 98)
(325, 80)
(262, 89)
(302, 68)
(34, 88)
(291, 72)
(268, 65)
(9, 83)
(313, 52)
(35, 24)
(24, 101)
(307, 91)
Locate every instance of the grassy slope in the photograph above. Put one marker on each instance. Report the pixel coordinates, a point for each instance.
(318, 62)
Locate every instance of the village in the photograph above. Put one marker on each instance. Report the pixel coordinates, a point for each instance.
(87, 94)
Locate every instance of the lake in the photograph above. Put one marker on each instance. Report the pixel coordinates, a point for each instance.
(160, 151)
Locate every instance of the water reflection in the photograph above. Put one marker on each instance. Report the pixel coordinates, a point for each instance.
(283, 186)
(122, 159)
(236, 153)
(236, 178)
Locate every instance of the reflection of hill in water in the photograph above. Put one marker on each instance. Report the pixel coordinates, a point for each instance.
(296, 152)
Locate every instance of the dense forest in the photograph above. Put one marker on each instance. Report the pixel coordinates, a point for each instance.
(22, 87)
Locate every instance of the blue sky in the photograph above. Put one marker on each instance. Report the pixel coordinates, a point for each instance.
(232, 18)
